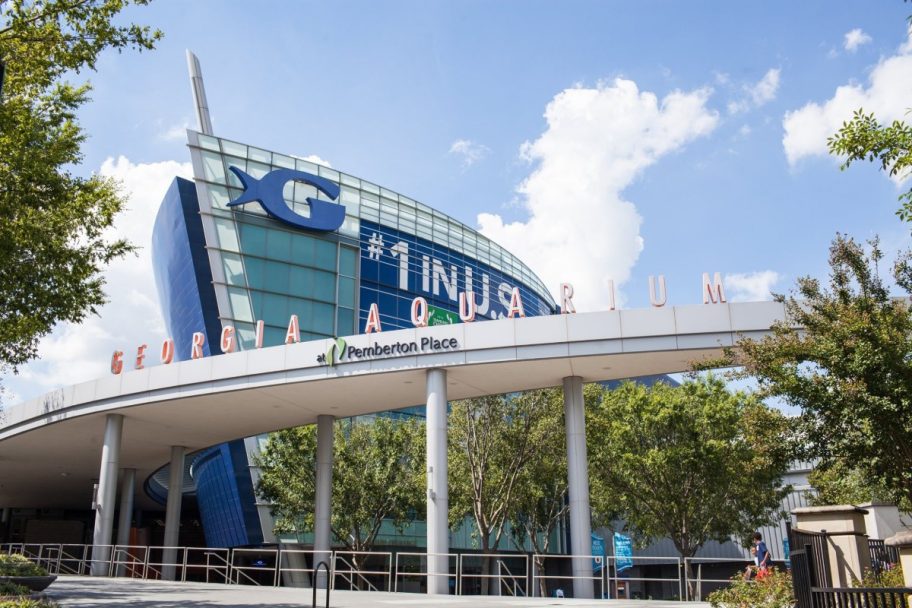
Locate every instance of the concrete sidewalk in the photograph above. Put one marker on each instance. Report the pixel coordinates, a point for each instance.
(88, 592)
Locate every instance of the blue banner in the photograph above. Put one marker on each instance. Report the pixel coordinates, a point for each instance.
(623, 552)
(598, 553)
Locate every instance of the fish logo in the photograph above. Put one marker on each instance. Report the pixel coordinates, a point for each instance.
(336, 351)
(267, 191)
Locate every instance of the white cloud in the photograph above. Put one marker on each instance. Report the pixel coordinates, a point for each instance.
(313, 158)
(757, 94)
(750, 287)
(744, 131)
(176, 132)
(469, 151)
(597, 141)
(854, 39)
(887, 96)
(77, 353)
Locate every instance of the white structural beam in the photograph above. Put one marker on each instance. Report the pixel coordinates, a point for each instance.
(106, 495)
(173, 512)
(438, 533)
(578, 487)
(323, 506)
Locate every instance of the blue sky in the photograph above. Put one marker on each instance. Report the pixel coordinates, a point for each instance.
(613, 139)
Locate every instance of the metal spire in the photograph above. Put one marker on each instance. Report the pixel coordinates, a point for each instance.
(199, 94)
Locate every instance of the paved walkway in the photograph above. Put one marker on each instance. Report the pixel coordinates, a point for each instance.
(86, 592)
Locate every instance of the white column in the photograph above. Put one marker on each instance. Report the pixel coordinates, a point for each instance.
(173, 512)
(578, 486)
(106, 496)
(323, 506)
(125, 517)
(438, 533)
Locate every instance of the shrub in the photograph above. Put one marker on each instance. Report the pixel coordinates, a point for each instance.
(891, 577)
(17, 565)
(26, 602)
(772, 591)
(9, 588)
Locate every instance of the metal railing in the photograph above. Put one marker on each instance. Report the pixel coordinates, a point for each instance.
(693, 586)
(510, 574)
(475, 572)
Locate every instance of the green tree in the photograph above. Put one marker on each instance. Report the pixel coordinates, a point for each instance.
(843, 483)
(864, 138)
(492, 440)
(540, 500)
(378, 475)
(53, 223)
(692, 463)
(845, 358)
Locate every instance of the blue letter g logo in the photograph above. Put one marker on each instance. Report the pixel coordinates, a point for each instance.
(267, 191)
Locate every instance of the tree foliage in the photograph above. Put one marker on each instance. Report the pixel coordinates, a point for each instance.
(849, 367)
(540, 501)
(53, 223)
(492, 441)
(843, 483)
(864, 138)
(378, 475)
(693, 463)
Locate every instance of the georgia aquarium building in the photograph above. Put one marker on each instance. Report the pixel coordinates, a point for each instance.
(258, 236)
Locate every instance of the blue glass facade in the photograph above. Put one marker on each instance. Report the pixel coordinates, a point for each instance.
(182, 273)
(225, 496)
(235, 266)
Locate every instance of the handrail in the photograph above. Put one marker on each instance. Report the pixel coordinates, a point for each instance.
(328, 578)
(511, 576)
(352, 571)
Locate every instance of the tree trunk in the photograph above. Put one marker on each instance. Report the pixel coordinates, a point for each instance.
(542, 581)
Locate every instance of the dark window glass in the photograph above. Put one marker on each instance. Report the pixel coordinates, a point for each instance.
(346, 292)
(325, 255)
(278, 245)
(347, 261)
(253, 239)
(324, 286)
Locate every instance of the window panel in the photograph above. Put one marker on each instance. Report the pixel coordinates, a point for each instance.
(275, 309)
(253, 239)
(256, 272)
(278, 245)
(346, 292)
(276, 277)
(324, 286)
(240, 304)
(235, 149)
(324, 255)
(302, 249)
(208, 142)
(348, 259)
(227, 236)
(234, 269)
(213, 169)
(280, 160)
(323, 317)
(345, 322)
(261, 156)
(257, 170)
(300, 281)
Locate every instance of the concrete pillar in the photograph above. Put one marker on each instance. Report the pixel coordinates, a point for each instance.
(849, 554)
(903, 541)
(106, 496)
(173, 513)
(578, 487)
(323, 506)
(438, 532)
(127, 489)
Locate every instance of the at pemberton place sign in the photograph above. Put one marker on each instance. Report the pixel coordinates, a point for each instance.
(421, 316)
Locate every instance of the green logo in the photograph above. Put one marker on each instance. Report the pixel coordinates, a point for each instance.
(336, 351)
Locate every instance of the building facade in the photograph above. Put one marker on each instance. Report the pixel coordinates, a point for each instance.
(219, 265)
